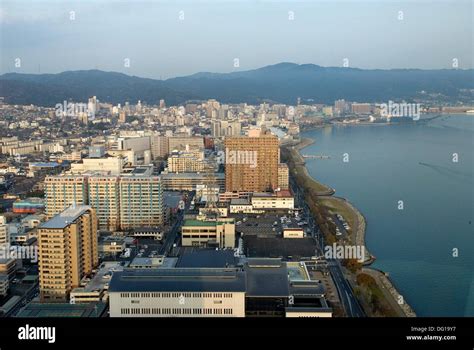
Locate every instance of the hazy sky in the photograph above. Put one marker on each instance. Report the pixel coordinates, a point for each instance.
(163, 38)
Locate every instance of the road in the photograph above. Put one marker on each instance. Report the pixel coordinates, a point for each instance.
(346, 294)
(173, 235)
(344, 290)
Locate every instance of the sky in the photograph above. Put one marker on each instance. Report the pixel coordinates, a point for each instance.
(168, 38)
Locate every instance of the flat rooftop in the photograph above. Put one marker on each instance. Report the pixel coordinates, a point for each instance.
(210, 258)
(179, 280)
(63, 310)
(191, 222)
(267, 281)
(64, 218)
(278, 247)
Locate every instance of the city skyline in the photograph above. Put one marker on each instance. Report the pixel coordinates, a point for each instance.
(169, 165)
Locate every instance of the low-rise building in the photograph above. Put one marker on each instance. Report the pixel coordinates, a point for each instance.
(203, 233)
(293, 232)
(277, 200)
(189, 181)
(175, 292)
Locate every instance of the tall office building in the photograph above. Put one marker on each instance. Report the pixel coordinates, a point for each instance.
(141, 201)
(104, 198)
(251, 163)
(63, 191)
(67, 251)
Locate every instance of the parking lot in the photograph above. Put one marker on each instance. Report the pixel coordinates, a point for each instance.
(266, 224)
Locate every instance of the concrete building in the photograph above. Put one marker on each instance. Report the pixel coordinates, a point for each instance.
(4, 232)
(181, 142)
(361, 108)
(4, 285)
(283, 176)
(125, 201)
(8, 267)
(175, 292)
(293, 232)
(108, 164)
(251, 163)
(203, 233)
(277, 200)
(68, 250)
(189, 161)
(103, 196)
(189, 181)
(159, 146)
(220, 128)
(141, 201)
(64, 190)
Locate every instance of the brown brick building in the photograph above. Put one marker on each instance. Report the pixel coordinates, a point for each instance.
(251, 163)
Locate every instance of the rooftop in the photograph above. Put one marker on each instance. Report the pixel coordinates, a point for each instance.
(66, 217)
(209, 258)
(179, 280)
(191, 222)
(267, 279)
(62, 310)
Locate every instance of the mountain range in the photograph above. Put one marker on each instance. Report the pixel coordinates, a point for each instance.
(283, 83)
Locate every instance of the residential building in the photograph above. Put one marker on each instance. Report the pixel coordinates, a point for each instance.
(141, 201)
(64, 190)
(252, 163)
(68, 250)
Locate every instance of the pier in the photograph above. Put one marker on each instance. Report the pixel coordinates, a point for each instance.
(314, 156)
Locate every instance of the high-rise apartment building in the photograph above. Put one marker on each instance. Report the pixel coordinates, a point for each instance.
(121, 202)
(251, 163)
(141, 201)
(104, 197)
(64, 190)
(68, 250)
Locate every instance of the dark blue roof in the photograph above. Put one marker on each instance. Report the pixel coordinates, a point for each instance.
(178, 280)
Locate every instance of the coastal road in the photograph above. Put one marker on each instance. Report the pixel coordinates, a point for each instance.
(344, 290)
(346, 294)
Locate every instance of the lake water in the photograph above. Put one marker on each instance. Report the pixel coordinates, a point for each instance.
(427, 247)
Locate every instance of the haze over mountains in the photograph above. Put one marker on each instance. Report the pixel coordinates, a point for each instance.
(283, 82)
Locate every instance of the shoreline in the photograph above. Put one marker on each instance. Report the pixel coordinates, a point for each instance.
(383, 281)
